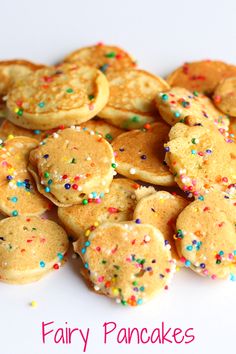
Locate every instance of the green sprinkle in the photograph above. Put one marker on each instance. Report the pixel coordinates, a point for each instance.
(135, 119)
(110, 55)
(84, 201)
(69, 90)
(41, 104)
(20, 112)
(46, 174)
(91, 97)
(104, 262)
(14, 213)
(73, 160)
(113, 165)
(108, 136)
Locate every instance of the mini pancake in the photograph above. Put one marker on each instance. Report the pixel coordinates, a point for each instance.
(103, 57)
(19, 195)
(206, 237)
(30, 247)
(161, 210)
(10, 72)
(202, 76)
(225, 96)
(72, 164)
(99, 126)
(53, 96)
(132, 98)
(9, 130)
(117, 205)
(178, 103)
(128, 262)
(140, 155)
(201, 159)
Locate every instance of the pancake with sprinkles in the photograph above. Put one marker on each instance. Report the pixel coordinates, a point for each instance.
(53, 96)
(128, 262)
(19, 195)
(71, 165)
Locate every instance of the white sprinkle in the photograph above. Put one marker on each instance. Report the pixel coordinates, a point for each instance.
(55, 135)
(96, 288)
(132, 171)
(147, 238)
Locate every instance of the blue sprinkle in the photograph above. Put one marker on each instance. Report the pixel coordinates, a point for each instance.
(87, 243)
(83, 250)
(37, 132)
(14, 199)
(47, 189)
(60, 256)
(140, 301)
(42, 264)
(177, 114)
(187, 263)
(86, 265)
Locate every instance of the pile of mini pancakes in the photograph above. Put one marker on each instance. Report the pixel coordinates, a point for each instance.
(141, 171)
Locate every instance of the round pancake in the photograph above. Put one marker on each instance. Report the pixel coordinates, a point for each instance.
(71, 164)
(19, 195)
(12, 71)
(202, 76)
(201, 159)
(103, 57)
(128, 262)
(53, 96)
(9, 130)
(30, 247)
(161, 210)
(99, 126)
(206, 236)
(131, 102)
(225, 96)
(140, 155)
(118, 205)
(178, 103)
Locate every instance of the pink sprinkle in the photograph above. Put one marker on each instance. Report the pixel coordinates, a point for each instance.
(213, 277)
(182, 259)
(112, 210)
(101, 279)
(98, 200)
(205, 272)
(91, 107)
(231, 256)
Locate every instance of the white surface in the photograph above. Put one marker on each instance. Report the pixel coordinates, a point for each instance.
(162, 35)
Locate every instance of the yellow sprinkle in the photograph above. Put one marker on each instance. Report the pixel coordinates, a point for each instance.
(177, 269)
(34, 304)
(87, 233)
(10, 136)
(115, 291)
(11, 170)
(96, 224)
(16, 109)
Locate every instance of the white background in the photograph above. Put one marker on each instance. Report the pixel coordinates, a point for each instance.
(161, 35)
